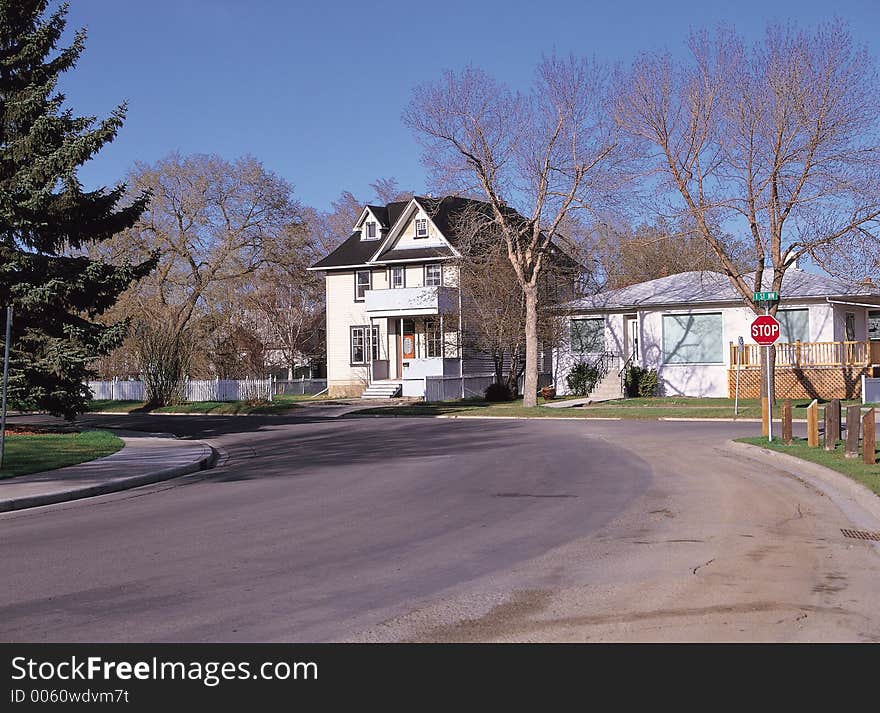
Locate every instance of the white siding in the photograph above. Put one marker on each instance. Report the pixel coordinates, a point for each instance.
(342, 313)
(707, 380)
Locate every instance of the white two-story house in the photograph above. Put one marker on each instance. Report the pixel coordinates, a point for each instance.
(393, 302)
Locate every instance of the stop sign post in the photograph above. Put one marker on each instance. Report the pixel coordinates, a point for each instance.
(765, 331)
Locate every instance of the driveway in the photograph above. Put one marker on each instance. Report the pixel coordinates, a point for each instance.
(316, 529)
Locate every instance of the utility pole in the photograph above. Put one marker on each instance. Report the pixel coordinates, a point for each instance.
(5, 382)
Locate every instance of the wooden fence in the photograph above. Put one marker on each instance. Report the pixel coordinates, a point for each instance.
(809, 354)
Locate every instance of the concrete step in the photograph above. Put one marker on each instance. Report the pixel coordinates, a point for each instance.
(381, 390)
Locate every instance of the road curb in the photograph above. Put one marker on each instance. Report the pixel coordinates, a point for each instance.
(857, 502)
(32, 501)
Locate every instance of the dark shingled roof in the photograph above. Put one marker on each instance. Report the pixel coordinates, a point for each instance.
(353, 251)
(416, 253)
(443, 211)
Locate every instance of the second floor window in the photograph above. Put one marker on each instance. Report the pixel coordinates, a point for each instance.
(433, 275)
(398, 277)
(421, 227)
(371, 230)
(362, 283)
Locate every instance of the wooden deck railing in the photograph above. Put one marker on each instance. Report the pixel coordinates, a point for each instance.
(808, 354)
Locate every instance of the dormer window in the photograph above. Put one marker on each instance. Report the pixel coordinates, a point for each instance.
(370, 230)
(421, 227)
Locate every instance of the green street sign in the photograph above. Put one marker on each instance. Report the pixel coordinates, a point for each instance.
(766, 297)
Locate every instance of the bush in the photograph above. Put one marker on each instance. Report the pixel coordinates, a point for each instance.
(498, 392)
(582, 378)
(641, 382)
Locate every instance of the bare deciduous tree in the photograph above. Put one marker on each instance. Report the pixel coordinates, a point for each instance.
(533, 157)
(214, 223)
(777, 141)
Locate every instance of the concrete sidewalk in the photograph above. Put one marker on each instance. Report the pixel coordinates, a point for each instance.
(146, 458)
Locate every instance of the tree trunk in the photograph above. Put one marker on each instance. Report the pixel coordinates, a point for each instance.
(530, 382)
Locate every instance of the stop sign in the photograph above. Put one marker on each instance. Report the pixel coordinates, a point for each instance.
(765, 330)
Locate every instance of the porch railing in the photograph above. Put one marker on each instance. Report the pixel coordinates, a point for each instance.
(809, 354)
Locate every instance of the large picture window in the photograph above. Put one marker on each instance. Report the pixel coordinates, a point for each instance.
(363, 281)
(693, 339)
(588, 335)
(794, 325)
(364, 341)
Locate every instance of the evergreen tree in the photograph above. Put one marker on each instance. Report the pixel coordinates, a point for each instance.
(48, 222)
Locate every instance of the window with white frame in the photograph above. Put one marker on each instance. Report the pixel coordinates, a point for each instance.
(364, 341)
(398, 277)
(421, 227)
(794, 325)
(588, 335)
(693, 339)
(363, 281)
(370, 228)
(433, 275)
(433, 338)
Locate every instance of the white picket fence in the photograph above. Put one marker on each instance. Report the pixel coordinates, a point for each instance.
(449, 388)
(195, 390)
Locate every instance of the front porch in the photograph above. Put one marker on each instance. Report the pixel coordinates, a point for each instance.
(823, 370)
(410, 349)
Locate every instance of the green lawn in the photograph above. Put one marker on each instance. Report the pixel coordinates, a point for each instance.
(636, 408)
(855, 468)
(32, 454)
(280, 404)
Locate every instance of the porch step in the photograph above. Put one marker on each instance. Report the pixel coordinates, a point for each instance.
(381, 390)
(607, 389)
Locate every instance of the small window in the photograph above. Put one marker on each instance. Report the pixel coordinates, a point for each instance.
(398, 277)
(433, 275)
(371, 230)
(421, 227)
(363, 281)
(433, 338)
(850, 326)
(359, 346)
(588, 335)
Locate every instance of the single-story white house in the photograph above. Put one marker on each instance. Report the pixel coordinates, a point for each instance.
(686, 326)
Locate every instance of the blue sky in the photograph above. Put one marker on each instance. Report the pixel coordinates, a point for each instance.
(315, 89)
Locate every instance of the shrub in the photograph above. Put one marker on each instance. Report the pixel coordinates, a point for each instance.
(498, 392)
(641, 382)
(582, 378)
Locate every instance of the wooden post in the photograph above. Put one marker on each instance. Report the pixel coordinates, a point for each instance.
(786, 422)
(868, 442)
(832, 424)
(853, 421)
(765, 416)
(813, 424)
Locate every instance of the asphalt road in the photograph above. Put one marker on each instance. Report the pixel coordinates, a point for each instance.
(316, 529)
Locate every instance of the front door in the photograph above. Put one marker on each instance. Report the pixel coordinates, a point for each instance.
(406, 344)
(631, 332)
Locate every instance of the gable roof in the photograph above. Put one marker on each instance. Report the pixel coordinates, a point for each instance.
(706, 287)
(444, 212)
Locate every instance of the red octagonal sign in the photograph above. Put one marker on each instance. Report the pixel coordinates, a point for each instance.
(765, 330)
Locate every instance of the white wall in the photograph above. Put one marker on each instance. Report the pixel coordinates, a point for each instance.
(702, 380)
